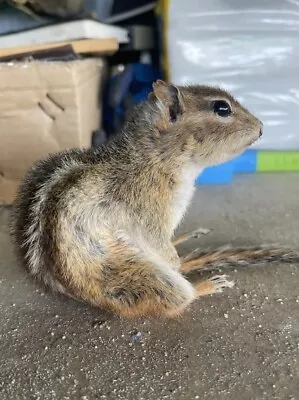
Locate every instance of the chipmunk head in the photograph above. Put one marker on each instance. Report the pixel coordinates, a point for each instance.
(213, 126)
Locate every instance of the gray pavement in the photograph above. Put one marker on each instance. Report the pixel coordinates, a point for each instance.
(238, 345)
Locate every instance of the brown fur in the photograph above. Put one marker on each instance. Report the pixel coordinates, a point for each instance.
(97, 224)
(228, 258)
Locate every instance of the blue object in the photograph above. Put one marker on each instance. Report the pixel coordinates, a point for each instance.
(219, 174)
(224, 173)
(246, 162)
(126, 89)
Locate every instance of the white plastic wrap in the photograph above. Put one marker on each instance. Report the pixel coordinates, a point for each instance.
(251, 48)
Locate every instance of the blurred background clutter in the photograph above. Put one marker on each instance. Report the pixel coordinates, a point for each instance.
(71, 70)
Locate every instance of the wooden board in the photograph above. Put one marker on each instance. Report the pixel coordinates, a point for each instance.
(85, 46)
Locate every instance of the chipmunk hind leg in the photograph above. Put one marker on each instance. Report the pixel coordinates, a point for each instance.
(135, 287)
(132, 285)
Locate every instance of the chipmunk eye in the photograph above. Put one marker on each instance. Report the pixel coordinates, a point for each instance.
(221, 108)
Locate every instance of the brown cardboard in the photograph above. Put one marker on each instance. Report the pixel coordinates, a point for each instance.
(45, 107)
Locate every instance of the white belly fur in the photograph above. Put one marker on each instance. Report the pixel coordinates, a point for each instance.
(183, 194)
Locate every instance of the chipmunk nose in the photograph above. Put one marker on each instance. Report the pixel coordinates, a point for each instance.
(261, 128)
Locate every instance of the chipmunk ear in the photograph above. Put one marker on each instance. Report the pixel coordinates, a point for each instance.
(169, 101)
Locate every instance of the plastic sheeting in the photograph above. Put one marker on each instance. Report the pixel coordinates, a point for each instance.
(250, 48)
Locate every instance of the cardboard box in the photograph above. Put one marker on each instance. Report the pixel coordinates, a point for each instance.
(45, 107)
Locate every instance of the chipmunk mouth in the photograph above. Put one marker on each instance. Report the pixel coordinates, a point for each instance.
(252, 141)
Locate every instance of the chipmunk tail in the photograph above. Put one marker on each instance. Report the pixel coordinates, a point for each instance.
(238, 257)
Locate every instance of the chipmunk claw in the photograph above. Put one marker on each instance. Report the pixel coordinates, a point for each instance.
(220, 282)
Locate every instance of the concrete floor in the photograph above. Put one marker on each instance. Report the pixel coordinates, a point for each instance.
(238, 345)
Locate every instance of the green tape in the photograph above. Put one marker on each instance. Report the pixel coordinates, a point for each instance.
(277, 161)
